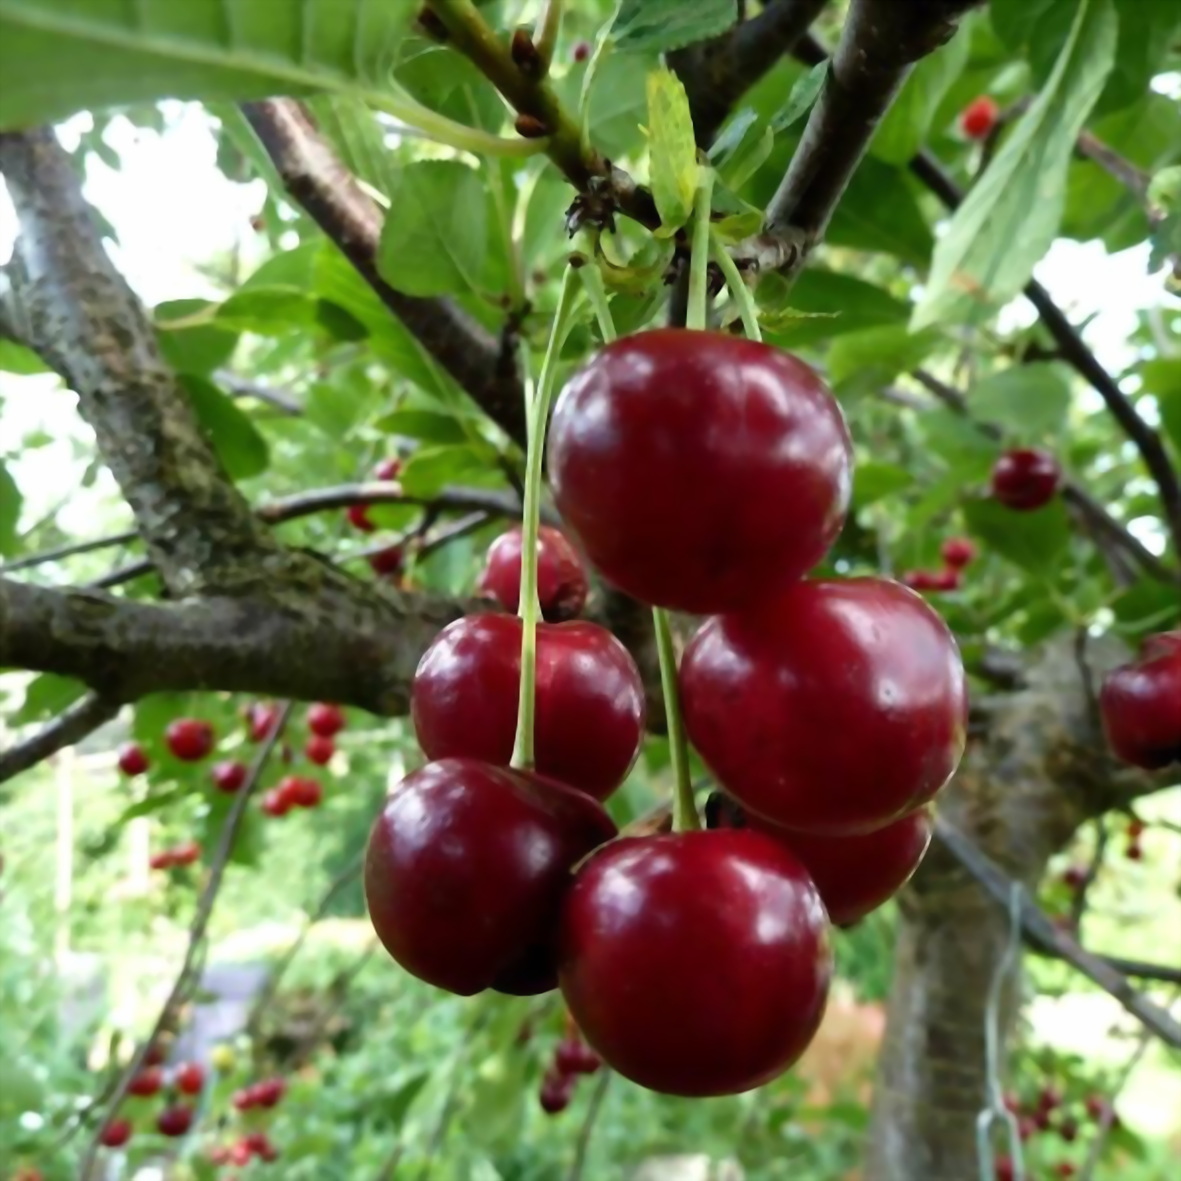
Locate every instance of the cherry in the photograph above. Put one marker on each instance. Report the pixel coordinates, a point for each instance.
(240, 1153)
(574, 1056)
(1075, 876)
(958, 552)
(1049, 1098)
(174, 1121)
(259, 1144)
(132, 760)
(358, 516)
(1005, 1169)
(155, 1055)
(115, 1133)
(857, 874)
(557, 1090)
(835, 707)
(276, 803)
(581, 51)
(388, 469)
(1135, 829)
(466, 867)
(1068, 1130)
(1140, 704)
(165, 859)
(265, 1093)
(229, 777)
(696, 963)
(319, 750)
(1134, 852)
(300, 791)
(189, 739)
(561, 579)
(589, 714)
(325, 720)
(1099, 1109)
(261, 719)
(1025, 479)
(1026, 1127)
(673, 455)
(979, 117)
(190, 1078)
(146, 1083)
(387, 562)
(1065, 1169)
(187, 853)
(932, 580)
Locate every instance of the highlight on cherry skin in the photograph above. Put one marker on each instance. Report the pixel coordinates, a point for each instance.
(1140, 705)
(562, 584)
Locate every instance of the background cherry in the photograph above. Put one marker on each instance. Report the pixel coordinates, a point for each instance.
(276, 803)
(979, 117)
(673, 454)
(189, 739)
(325, 720)
(557, 1090)
(261, 718)
(1140, 704)
(190, 1078)
(1025, 479)
(561, 578)
(387, 562)
(466, 867)
(132, 759)
(388, 469)
(115, 1133)
(697, 963)
(834, 708)
(175, 1121)
(319, 750)
(358, 517)
(958, 552)
(589, 717)
(229, 776)
(300, 791)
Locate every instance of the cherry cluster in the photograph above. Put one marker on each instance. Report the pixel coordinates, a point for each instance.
(177, 1086)
(1049, 1115)
(958, 553)
(706, 474)
(573, 1059)
(388, 562)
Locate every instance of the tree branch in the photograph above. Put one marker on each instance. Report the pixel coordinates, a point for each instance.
(71, 726)
(75, 310)
(318, 181)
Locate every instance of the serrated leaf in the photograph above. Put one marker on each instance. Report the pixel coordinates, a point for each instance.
(1035, 541)
(1012, 214)
(239, 445)
(803, 94)
(62, 56)
(435, 234)
(10, 509)
(672, 150)
(1030, 401)
(656, 26)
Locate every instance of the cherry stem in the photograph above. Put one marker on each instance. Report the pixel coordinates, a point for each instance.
(538, 410)
(698, 312)
(739, 291)
(596, 293)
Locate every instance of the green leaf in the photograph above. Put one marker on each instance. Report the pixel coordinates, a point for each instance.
(841, 302)
(15, 358)
(46, 696)
(875, 356)
(1030, 401)
(879, 211)
(1034, 541)
(62, 56)
(435, 234)
(430, 469)
(660, 25)
(156, 802)
(1012, 214)
(190, 336)
(267, 311)
(242, 450)
(397, 1107)
(1162, 379)
(10, 509)
(1147, 28)
(672, 150)
(742, 148)
(352, 129)
(803, 95)
(872, 481)
(430, 426)
(1014, 20)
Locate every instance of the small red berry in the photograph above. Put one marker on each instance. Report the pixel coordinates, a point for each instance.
(581, 51)
(240, 1153)
(1097, 1107)
(979, 117)
(276, 803)
(573, 1056)
(1134, 852)
(116, 1133)
(228, 777)
(260, 1145)
(244, 1099)
(268, 1092)
(175, 1121)
(1065, 1169)
(556, 1092)
(187, 853)
(190, 1078)
(325, 720)
(1025, 479)
(189, 739)
(155, 1056)
(1026, 1127)
(358, 517)
(1135, 829)
(132, 760)
(1005, 1170)
(1049, 1098)
(147, 1083)
(162, 860)
(1075, 876)
(1140, 704)
(1068, 1130)
(300, 791)
(388, 469)
(958, 552)
(319, 750)
(387, 562)
(561, 578)
(262, 719)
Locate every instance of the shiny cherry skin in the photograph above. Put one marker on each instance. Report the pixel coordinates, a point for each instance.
(1025, 479)
(300, 791)
(189, 739)
(835, 707)
(589, 714)
(387, 562)
(698, 470)
(186, 853)
(229, 776)
(190, 1078)
(561, 578)
(261, 719)
(979, 117)
(269, 1091)
(556, 1093)
(938, 581)
(388, 469)
(132, 759)
(319, 750)
(325, 720)
(1140, 704)
(696, 963)
(358, 517)
(857, 874)
(115, 1133)
(467, 865)
(175, 1121)
(161, 860)
(276, 803)
(147, 1083)
(958, 552)
(574, 1056)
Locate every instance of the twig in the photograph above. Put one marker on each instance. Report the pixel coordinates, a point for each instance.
(205, 904)
(582, 1146)
(71, 726)
(27, 561)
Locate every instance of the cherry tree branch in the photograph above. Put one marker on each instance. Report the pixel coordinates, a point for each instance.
(71, 726)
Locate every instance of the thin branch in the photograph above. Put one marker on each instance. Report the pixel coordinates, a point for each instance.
(1132, 178)
(197, 930)
(582, 1147)
(240, 387)
(71, 726)
(68, 551)
(318, 181)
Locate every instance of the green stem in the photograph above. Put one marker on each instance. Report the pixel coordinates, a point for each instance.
(684, 810)
(596, 292)
(528, 608)
(741, 293)
(545, 32)
(699, 261)
(442, 130)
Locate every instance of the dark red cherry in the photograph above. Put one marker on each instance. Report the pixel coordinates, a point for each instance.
(186, 853)
(387, 562)
(190, 1078)
(358, 517)
(229, 777)
(467, 865)
(115, 1133)
(698, 470)
(835, 707)
(175, 1121)
(147, 1083)
(388, 469)
(1025, 479)
(319, 750)
(300, 791)
(1075, 876)
(269, 1091)
(561, 579)
(325, 720)
(574, 1056)
(947, 579)
(557, 1090)
(132, 760)
(1140, 704)
(581, 51)
(261, 718)
(589, 716)
(276, 803)
(979, 117)
(958, 552)
(189, 739)
(695, 963)
(857, 874)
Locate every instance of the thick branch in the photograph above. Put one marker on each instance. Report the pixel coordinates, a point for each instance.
(82, 718)
(320, 183)
(74, 309)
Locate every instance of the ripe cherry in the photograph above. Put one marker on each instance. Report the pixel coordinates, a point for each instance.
(155, 1055)
(276, 803)
(557, 1090)
(673, 455)
(835, 707)
(581, 51)
(162, 860)
(325, 720)
(947, 579)
(175, 1121)
(1140, 704)
(1134, 852)
(229, 776)
(467, 865)
(301, 791)
(358, 517)
(132, 760)
(589, 715)
(269, 1091)
(979, 117)
(1065, 1169)
(857, 874)
(262, 718)
(695, 963)
(189, 739)
(186, 853)
(190, 1078)
(1075, 876)
(147, 1083)
(115, 1133)
(240, 1153)
(574, 1056)
(1005, 1169)
(259, 1144)
(561, 579)
(387, 562)
(388, 469)
(1135, 829)
(319, 750)
(958, 552)
(1068, 1130)
(1049, 1098)
(1025, 479)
